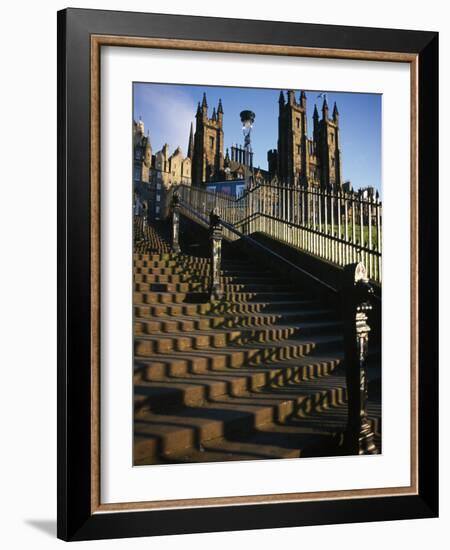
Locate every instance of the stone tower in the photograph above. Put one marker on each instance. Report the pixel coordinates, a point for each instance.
(208, 159)
(293, 150)
(326, 136)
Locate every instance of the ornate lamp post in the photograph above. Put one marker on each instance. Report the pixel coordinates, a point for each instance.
(247, 119)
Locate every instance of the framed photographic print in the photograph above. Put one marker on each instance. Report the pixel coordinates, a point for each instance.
(247, 274)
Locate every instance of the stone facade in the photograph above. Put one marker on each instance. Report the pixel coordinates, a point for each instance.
(153, 174)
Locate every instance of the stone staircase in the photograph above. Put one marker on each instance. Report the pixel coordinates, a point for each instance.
(258, 374)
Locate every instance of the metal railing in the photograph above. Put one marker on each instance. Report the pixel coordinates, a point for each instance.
(337, 226)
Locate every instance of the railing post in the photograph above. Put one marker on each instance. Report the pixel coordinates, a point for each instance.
(215, 237)
(145, 225)
(356, 293)
(175, 204)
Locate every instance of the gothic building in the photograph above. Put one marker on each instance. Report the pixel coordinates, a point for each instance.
(160, 167)
(209, 164)
(154, 173)
(300, 160)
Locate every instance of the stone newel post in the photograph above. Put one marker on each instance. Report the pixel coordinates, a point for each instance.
(144, 223)
(356, 304)
(215, 237)
(175, 204)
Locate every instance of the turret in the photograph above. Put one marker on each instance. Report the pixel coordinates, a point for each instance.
(335, 114)
(315, 124)
(220, 112)
(204, 105)
(315, 114)
(291, 97)
(148, 150)
(303, 99)
(325, 109)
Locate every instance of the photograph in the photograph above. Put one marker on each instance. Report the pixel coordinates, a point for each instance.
(247, 273)
(257, 273)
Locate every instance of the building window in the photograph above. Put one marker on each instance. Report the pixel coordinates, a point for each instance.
(298, 122)
(298, 150)
(137, 173)
(211, 142)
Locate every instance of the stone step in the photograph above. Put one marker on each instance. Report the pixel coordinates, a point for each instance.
(312, 365)
(234, 355)
(178, 259)
(271, 441)
(174, 266)
(222, 337)
(257, 374)
(185, 323)
(203, 284)
(155, 379)
(318, 434)
(143, 310)
(201, 272)
(188, 277)
(203, 297)
(226, 415)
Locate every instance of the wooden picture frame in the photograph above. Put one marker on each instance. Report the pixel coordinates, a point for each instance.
(81, 35)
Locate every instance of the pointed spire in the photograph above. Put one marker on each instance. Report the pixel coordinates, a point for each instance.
(316, 112)
(204, 102)
(335, 112)
(325, 108)
(219, 107)
(199, 109)
(291, 97)
(214, 116)
(281, 100)
(190, 152)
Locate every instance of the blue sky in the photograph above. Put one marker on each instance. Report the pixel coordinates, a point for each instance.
(168, 110)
